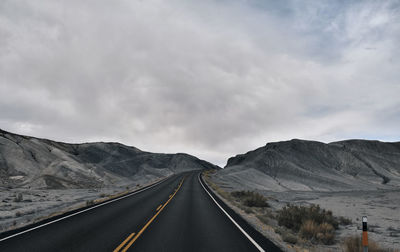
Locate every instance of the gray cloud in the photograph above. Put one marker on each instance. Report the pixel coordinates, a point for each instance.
(213, 79)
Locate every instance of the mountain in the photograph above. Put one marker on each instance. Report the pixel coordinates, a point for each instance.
(315, 166)
(31, 162)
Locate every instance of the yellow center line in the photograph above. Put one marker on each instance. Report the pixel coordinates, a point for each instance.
(123, 243)
(158, 208)
(152, 218)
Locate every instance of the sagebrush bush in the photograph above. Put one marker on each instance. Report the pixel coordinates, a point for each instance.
(293, 217)
(240, 194)
(251, 199)
(311, 222)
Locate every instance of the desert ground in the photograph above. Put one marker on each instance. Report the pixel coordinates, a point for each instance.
(20, 207)
(381, 207)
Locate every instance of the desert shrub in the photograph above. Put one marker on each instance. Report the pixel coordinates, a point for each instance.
(324, 233)
(18, 197)
(344, 221)
(290, 238)
(354, 244)
(240, 194)
(256, 200)
(312, 222)
(293, 217)
(251, 199)
(89, 202)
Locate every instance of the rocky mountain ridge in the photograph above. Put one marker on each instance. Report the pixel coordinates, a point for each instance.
(30, 162)
(315, 166)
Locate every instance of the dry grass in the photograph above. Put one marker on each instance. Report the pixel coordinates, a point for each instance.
(309, 229)
(353, 244)
(215, 187)
(324, 232)
(247, 199)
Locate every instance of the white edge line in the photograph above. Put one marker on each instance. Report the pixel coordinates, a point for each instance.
(234, 222)
(82, 211)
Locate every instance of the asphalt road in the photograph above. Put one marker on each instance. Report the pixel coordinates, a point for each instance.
(175, 215)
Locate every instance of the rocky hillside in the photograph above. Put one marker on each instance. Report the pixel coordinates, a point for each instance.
(316, 166)
(31, 162)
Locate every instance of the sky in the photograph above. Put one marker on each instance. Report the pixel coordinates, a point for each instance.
(213, 78)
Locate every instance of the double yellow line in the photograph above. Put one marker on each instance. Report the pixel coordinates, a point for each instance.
(135, 237)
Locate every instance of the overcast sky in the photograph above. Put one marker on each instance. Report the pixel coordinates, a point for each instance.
(210, 78)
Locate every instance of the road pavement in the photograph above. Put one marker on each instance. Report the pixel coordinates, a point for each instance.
(175, 215)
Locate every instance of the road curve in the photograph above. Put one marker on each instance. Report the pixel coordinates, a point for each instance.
(175, 215)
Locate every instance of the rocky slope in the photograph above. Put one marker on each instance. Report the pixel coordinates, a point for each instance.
(29, 162)
(315, 166)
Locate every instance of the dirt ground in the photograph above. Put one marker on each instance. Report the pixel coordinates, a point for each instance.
(20, 207)
(381, 207)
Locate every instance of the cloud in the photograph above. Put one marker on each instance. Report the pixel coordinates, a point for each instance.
(212, 78)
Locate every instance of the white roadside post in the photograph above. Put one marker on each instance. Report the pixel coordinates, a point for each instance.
(365, 234)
